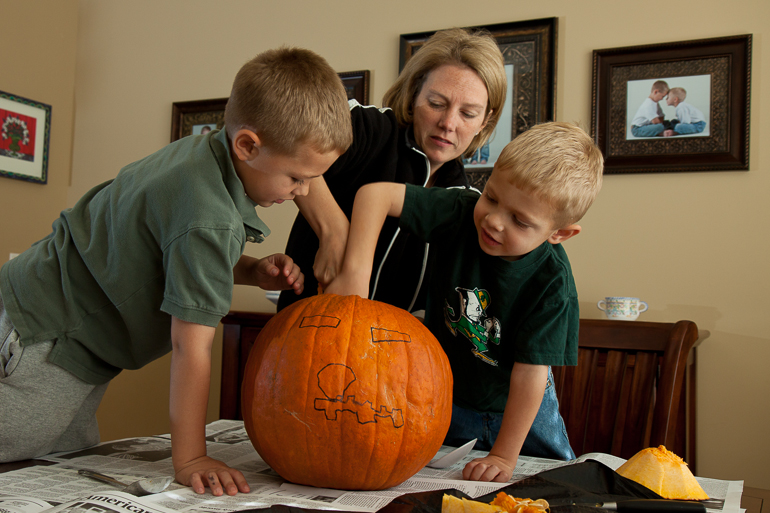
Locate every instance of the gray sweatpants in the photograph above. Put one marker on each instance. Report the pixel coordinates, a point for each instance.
(43, 408)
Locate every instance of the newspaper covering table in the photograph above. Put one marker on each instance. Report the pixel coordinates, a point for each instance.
(59, 487)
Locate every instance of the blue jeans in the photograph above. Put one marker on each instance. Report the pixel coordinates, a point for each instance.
(690, 128)
(651, 130)
(547, 438)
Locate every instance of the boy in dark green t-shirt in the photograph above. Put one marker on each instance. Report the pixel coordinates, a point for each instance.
(502, 300)
(145, 264)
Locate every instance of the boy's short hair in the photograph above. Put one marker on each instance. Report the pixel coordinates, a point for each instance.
(288, 97)
(559, 164)
(476, 50)
(678, 92)
(659, 85)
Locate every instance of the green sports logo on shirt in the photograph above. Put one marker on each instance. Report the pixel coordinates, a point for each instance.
(473, 322)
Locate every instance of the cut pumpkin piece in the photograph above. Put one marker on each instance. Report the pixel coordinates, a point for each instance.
(516, 505)
(451, 504)
(664, 473)
(480, 507)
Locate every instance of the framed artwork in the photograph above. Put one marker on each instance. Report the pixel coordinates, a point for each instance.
(200, 116)
(196, 117)
(25, 130)
(356, 85)
(529, 51)
(673, 107)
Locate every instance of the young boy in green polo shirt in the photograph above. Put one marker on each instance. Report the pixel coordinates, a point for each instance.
(145, 264)
(502, 300)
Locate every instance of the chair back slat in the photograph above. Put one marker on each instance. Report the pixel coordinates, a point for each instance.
(607, 416)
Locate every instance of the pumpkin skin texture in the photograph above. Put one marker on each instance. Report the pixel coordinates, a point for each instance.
(343, 392)
(664, 473)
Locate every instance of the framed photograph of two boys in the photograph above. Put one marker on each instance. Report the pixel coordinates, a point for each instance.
(673, 107)
(25, 128)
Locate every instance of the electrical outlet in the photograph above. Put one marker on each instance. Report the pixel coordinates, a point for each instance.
(12, 256)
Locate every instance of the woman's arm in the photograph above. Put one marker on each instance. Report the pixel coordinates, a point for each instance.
(330, 225)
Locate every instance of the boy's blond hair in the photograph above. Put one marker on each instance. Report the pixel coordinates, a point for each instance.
(558, 163)
(459, 47)
(659, 85)
(288, 97)
(678, 92)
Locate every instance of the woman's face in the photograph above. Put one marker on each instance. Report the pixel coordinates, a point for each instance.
(448, 112)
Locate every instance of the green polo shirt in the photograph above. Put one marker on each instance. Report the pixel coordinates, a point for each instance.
(159, 240)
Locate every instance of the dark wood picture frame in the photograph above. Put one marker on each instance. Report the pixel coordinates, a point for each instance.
(356, 85)
(723, 67)
(190, 117)
(186, 117)
(25, 133)
(529, 49)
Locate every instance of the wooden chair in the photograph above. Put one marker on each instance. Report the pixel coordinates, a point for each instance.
(240, 330)
(627, 391)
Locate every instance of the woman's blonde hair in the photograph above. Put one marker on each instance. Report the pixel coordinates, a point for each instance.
(288, 97)
(559, 164)
(476, 50)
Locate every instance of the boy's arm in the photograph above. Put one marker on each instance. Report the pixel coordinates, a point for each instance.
(188, 400)
(274, 272)
(330, 225)
(524, 397)
(374, 203)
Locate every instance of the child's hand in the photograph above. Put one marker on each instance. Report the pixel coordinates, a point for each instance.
(489, 468)
(205, 471)
(279, 272)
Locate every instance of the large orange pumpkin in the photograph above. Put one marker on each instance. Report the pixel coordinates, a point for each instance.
(344, 392)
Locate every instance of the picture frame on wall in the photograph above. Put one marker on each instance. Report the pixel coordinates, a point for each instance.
(529, 52)
(196, 117)
(356, 85)
(704, 124)
(25, 131)
(199, 116)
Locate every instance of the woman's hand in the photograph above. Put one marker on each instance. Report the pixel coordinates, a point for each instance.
(489, 468)
(346, 284)
(330, 255)
(207, 472)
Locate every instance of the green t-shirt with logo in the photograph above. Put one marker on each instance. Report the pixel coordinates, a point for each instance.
(488, 312)
(159, 240)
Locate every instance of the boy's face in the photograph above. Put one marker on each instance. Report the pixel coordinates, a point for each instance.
(511, 223)
(672, 100)
(658, 94)
(271, 177)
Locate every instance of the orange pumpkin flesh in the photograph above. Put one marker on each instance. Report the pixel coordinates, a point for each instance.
(343, 392)
(664, 473)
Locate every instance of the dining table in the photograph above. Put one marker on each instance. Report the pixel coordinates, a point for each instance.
(753, 500)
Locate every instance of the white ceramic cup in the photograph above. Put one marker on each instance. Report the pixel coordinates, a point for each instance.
(622, 308)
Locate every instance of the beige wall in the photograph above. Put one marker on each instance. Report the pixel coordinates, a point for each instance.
(693, 245)
(38, 62)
